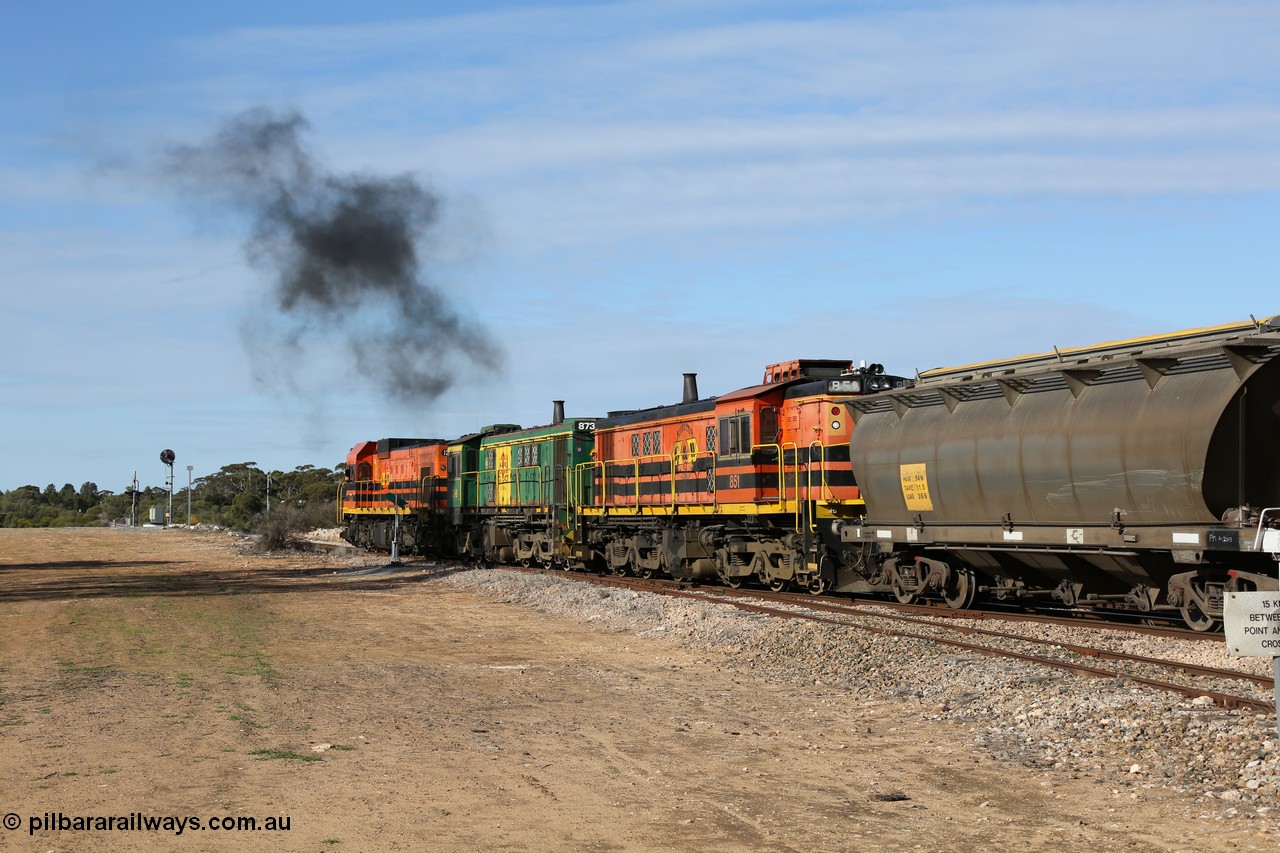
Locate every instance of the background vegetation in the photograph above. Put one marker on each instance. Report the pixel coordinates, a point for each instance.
(234, 497)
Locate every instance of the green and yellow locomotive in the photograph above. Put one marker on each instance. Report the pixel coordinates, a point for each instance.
(509, 490)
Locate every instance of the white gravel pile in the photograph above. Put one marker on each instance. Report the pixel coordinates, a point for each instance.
(1111, 729)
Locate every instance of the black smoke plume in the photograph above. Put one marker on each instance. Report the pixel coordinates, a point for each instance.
(344, 249)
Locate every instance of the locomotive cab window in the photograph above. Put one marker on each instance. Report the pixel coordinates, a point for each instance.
(735, 435)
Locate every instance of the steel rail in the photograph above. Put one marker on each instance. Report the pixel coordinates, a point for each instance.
(1083, 651)
(1086, 618)
(1224, 700)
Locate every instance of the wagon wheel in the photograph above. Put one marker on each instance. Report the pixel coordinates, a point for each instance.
(960, 590)
(734, 581)
(646, 573)
(818, 585)
(1197, 619)
(900, 592)
(778, 584)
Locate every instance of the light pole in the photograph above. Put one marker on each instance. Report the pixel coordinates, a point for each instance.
(268, 491)
(189, 496)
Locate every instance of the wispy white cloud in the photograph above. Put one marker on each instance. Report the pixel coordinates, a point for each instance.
(606, 121)
(631, 163)
(503, 149)
(612, 58)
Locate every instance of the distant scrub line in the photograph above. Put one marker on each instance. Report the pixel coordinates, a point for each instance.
(235, 497)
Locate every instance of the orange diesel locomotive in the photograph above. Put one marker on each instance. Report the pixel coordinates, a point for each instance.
(742, 487)
(396, 488)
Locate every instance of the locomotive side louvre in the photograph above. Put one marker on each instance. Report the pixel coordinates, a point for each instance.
(1133, 471)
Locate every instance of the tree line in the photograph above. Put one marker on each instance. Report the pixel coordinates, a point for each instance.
(234, 497)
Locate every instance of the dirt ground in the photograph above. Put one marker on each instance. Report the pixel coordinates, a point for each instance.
(165, 673)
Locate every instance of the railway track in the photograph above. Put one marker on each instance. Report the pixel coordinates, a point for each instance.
(949, 628)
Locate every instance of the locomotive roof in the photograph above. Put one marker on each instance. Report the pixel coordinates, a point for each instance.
(804, 386)
(515, 432)
(386, 445)
(634, 416)
(1148, 345)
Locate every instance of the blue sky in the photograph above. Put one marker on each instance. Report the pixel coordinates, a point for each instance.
(628, 191)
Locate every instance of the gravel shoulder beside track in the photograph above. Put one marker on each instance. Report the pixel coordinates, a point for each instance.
(1113, 730)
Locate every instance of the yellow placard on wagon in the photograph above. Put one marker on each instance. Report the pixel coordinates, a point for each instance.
(915, 487)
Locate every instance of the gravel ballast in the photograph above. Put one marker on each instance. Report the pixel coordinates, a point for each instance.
(1114, 730)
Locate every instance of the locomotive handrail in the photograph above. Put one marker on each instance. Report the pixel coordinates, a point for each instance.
(715, 473)
(537, 480)
(827, 492)
(462, 475)
(579, 475)
(674, 460)
(634, 462)
(670, 473)
(577, 484)
(782, 454)
(1257, 539)
(711, 472)
(822, 479)
(671, 469)
(573, 484)
(781, 470)
(364, 494)
(366, 491)
(430, 491)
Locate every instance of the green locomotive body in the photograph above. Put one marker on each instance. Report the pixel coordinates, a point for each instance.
(508, 487)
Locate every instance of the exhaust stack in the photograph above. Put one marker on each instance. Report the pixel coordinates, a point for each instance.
(690, 388)
(557, 411)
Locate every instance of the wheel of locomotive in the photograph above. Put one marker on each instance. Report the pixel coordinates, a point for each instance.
(904, 595)
(1197, 619)
(960, 590)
